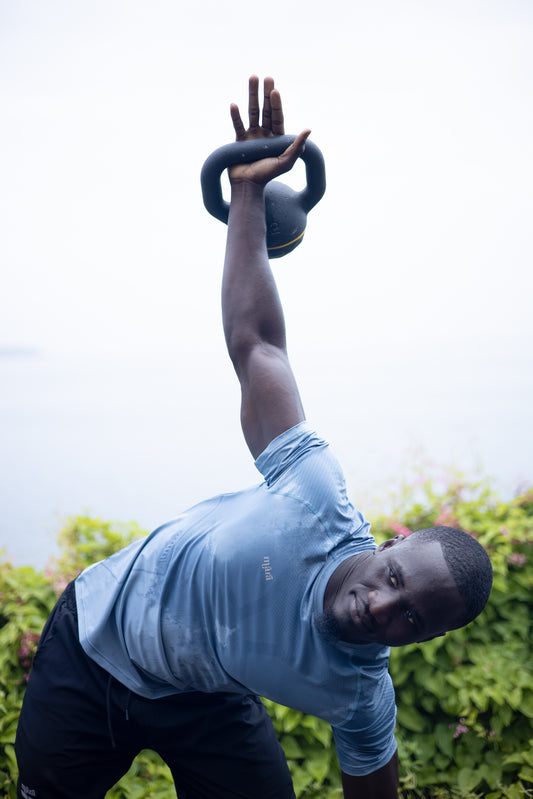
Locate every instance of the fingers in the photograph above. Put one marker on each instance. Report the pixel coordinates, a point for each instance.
(272, 121)
(278, 128)
(290, 155)
(237, 121)
(267, 113)
(287, 159)
(300, 140)
(253, 101)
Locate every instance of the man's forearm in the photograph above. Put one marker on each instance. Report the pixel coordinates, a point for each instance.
(381, 784)
(251, 308)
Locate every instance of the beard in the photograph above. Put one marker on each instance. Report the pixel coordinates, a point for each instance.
(328, 626)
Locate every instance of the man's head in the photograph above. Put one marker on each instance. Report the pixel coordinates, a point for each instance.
(409, 589)
(468, 564)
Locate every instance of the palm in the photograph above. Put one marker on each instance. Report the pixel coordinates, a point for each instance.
(257, 172)
(271, 125)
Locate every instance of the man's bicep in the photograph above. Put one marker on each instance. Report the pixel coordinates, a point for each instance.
(270, 399)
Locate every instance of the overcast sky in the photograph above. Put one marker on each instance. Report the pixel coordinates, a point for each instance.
(422, 109)
(419, 257)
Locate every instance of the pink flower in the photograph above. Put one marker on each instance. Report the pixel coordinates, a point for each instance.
(30, 640)
(28, 647)
(517, 559)
(400, 529)
(459, 730)
(446, 517)
(60, 585)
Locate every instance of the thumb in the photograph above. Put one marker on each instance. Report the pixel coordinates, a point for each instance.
(288, 158)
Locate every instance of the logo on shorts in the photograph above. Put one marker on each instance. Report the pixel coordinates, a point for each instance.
(27, 793)
(267, 569)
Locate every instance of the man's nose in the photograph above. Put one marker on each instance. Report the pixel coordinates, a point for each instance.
(381, 605)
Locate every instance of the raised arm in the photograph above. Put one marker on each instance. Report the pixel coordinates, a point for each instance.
(253, 320)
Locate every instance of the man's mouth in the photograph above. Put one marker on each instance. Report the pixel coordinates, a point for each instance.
(361, 615)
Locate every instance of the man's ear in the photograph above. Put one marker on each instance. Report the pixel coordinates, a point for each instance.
(390, 542)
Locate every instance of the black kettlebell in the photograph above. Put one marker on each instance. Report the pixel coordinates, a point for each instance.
(286, 209)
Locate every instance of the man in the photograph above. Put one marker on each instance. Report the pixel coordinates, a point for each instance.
(275, 591)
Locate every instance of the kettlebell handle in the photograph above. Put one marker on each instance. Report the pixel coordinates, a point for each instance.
(244, 152)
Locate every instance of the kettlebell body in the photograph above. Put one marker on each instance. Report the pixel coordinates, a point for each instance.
(286, 210)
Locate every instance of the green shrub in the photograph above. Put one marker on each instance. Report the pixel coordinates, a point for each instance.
(26, 599)
(310, 752)
(465, 701)
(85, 540)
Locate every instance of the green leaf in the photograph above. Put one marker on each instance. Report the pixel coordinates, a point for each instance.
(319, 767)
(526, 773)
(9, 751)
(468, 778)
(291, 720)
(514, 698)
(444, 738)
(301, 780)
(526, 706)
(291, 747)
(410, 718)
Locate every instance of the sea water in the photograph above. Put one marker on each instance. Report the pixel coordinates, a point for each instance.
(143, 437)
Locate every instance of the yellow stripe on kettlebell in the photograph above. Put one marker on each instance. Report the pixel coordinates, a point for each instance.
(287, 243)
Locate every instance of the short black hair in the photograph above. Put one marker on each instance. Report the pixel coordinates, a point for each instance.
(468, 564)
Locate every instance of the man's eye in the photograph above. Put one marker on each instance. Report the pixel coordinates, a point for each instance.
(410, 616)
(393, 579)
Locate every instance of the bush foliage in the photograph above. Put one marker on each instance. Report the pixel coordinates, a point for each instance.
(465, 701)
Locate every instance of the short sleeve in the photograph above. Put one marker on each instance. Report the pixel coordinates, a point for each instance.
(366, 743)
(299, 463)
(284, 450)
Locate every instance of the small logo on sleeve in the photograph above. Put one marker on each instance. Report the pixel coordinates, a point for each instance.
(267, 569)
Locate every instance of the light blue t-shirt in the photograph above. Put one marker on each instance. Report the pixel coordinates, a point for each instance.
(225, 598)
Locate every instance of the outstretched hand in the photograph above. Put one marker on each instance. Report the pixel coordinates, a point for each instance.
(260, 172)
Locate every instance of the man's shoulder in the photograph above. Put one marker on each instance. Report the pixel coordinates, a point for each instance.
(290, 450)
(300, 465)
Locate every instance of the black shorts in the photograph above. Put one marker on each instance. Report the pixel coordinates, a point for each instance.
(80, 729)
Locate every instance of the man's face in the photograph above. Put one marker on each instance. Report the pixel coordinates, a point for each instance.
(400, 593)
